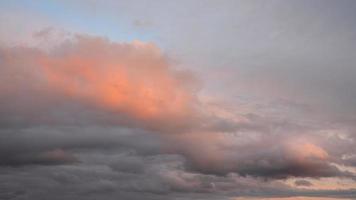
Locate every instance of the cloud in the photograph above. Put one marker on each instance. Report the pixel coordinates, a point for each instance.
(302, 183)
(83, 117)
(133, 80)
(89, 81)
(49, 157)
(259, 156)
(118, 118)
(128, 165)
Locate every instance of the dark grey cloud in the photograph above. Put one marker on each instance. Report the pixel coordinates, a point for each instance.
(50, 157)
(58, 145)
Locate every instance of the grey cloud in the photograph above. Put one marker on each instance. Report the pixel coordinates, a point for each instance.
(50, 157)
(58, 145)
(128, 165)
(302, 183)
(106, 174)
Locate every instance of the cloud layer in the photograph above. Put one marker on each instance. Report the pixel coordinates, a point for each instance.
(91, 116)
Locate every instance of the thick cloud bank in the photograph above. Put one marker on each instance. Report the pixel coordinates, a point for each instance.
(94, 116)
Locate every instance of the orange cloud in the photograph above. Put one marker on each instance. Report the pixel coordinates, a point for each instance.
(303, 150)
(131, 79)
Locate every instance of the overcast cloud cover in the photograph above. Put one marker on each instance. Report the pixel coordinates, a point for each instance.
(183, 100)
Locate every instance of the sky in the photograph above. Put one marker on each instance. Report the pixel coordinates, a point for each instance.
(178, 100)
